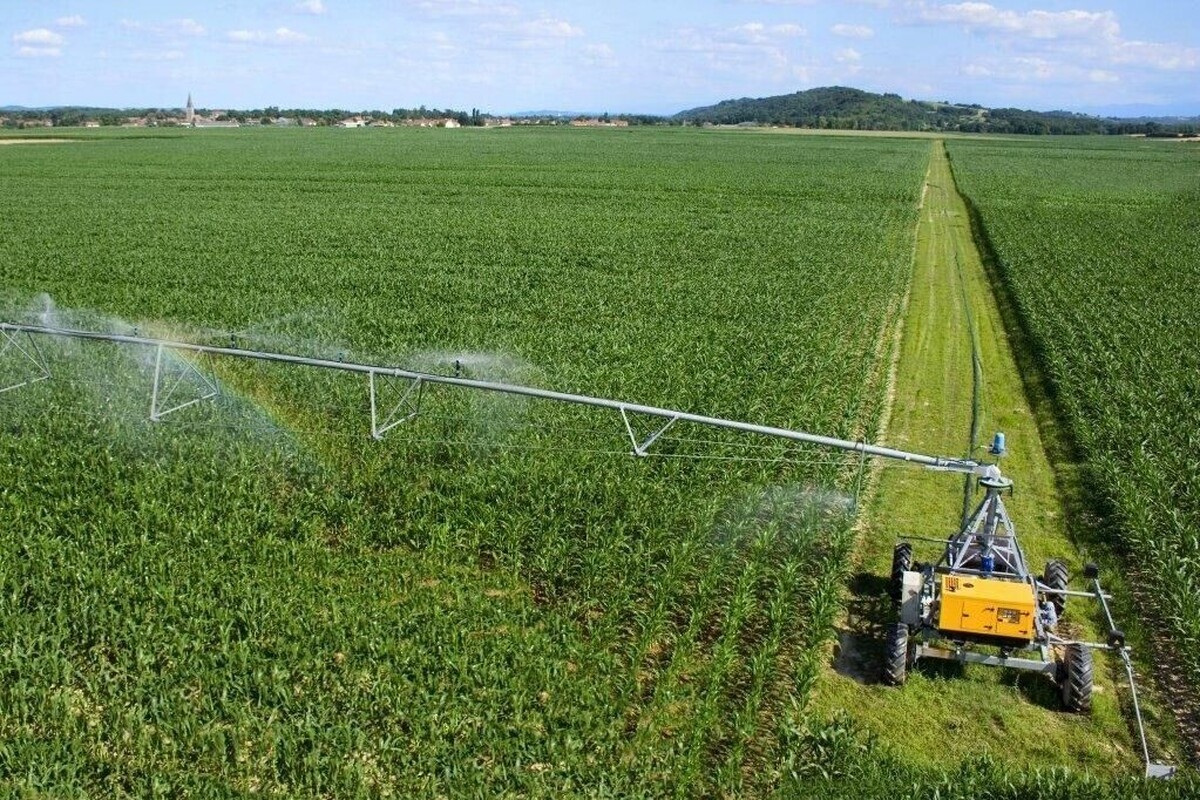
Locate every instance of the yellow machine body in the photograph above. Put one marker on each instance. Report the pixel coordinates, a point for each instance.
(987, 607)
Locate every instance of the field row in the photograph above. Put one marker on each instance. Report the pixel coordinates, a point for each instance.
(489, 598)
(1097, 245)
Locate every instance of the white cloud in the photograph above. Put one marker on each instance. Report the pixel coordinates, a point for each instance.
(157, 55)
(1089, 36)
(38, 52)
(467, 8)
(530, 34)
(39, 37)
(599, 55)
(188, 27)
(1037, 70)
(547, 28)
(852, 31)
(73, 21)
(1036, 24)
(280, 36)
(850, 60)
(758, 33)
(310, 7)
(442, 44)
(750, 36)
(287, 36)
(751, 53)
(170, 28)
(1159, 56)
(789, 29)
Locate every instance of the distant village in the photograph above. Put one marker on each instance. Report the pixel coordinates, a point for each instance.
(193, 117)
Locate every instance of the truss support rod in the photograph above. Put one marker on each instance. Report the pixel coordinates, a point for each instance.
(158, 351)
(931, 462)
(378, 428)
(642, 448)
(32, 354)
(1154, 769)
(158, 399)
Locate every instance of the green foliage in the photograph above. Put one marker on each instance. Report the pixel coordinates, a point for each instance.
(1097, 244)
(842, 108)
(253, 596)
(835, 107)
(837, 760)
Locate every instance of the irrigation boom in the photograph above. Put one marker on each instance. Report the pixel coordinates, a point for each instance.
(409, 404)
(979, 593)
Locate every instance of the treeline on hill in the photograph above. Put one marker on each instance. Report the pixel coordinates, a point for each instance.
(842, 108)
(75, 116)
(831, 108)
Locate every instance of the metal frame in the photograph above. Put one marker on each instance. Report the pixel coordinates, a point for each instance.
(964, 655)
(409, 407)
(989, 533)
(642, 448)
(987, 537)
(186, 372)
(406, 403)
(31, 354)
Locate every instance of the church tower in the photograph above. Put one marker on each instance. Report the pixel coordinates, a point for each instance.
(189, 113)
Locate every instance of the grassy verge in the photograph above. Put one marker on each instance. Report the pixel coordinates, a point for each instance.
(1167, 703)
(946, 715)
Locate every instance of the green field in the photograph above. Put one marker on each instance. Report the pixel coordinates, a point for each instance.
(490, 598)
(1098, 247)
(957, 382)
(494, 600)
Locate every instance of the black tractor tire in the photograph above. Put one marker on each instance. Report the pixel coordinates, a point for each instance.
(901, 563)
(1056, 576)
(1075, 679)
(895, 655)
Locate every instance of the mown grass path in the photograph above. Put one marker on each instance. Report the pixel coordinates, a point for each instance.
(956, 381)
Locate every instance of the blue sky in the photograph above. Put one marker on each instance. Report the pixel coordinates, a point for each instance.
(655, 56)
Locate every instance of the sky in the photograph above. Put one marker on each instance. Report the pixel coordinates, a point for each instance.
(635, 56)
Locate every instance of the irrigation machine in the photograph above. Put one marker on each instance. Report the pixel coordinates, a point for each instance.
(979, 603)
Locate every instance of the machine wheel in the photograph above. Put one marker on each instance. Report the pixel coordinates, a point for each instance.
(1056, 577)
(901, 563)
(895, 658)
(1075, 679)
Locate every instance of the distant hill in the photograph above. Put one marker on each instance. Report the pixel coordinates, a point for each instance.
(843, 108)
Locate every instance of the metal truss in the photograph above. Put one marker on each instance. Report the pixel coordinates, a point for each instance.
(989, 534)
(177, 379)
(406, 408)
(176, 375)
(25, 354)
(641, 448)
